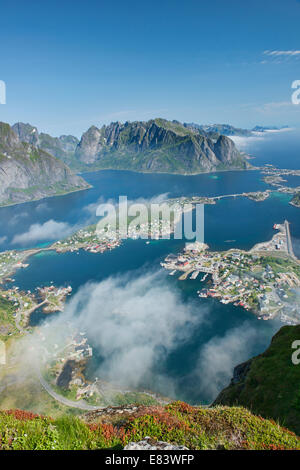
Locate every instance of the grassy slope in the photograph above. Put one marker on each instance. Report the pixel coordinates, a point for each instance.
(271, 388)
(216, 428)
(7, 321)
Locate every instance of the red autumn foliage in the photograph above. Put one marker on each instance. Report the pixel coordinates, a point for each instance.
(94, 427)
(109, 432)
(183, 408)
(274, 447)
(164, 418)
(22, 415)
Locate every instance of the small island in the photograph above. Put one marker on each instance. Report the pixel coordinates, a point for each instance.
(296, 200)
(274, 177)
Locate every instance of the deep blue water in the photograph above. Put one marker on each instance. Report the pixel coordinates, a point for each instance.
(230, 223)
(280, 149)
(107, 185)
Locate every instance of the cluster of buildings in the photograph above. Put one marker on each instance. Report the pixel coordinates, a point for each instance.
(277, 243)
(262, 284)
(53, 297)
(65, 362)
(9, 262)
(56, 291)
(88, 240)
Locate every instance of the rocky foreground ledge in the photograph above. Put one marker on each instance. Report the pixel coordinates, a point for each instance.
(150, 444)
(177, 424)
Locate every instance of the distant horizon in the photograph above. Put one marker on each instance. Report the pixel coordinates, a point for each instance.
(78, 136)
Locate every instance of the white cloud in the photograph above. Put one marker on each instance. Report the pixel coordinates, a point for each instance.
(220, 355)
(50, 230)
(277, 53)
(243, 143)
(280, 56)
(136, 327)
(133, 321)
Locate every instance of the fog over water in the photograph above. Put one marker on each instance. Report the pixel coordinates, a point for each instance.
(147, 328)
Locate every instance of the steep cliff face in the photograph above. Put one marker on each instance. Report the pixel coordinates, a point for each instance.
(157, 145)
(269, 384)
(28, 173)
(62, 147)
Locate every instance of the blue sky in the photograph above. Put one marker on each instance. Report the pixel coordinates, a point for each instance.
(70, 64)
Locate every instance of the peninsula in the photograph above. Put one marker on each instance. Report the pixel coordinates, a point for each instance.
(262, 280)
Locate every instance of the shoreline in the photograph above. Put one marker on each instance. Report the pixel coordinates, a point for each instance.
(45, 197)
(251, 168)
(58, 246)
(260, 280)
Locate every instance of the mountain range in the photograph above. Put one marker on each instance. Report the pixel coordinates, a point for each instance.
(211, 130)
(34, 165)
(62, 147)
(157, 145)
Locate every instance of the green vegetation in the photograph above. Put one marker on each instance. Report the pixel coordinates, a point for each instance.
(280, 265)
(296, 200)
(7, 321)
(29, 394)
(196, 428)
(271, 386)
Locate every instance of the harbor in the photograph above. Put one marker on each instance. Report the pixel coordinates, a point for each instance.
(262, 280)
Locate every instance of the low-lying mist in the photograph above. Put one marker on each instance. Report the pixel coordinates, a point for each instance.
(134, 323)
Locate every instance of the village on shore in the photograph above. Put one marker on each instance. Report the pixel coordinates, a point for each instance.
(17, 306)
(263, 280)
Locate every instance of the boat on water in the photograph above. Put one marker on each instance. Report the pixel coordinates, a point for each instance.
(173, 272)
(202, 293)
(204, 277)
(194, 275)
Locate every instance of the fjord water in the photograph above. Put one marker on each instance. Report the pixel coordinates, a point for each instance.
(232, 222)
